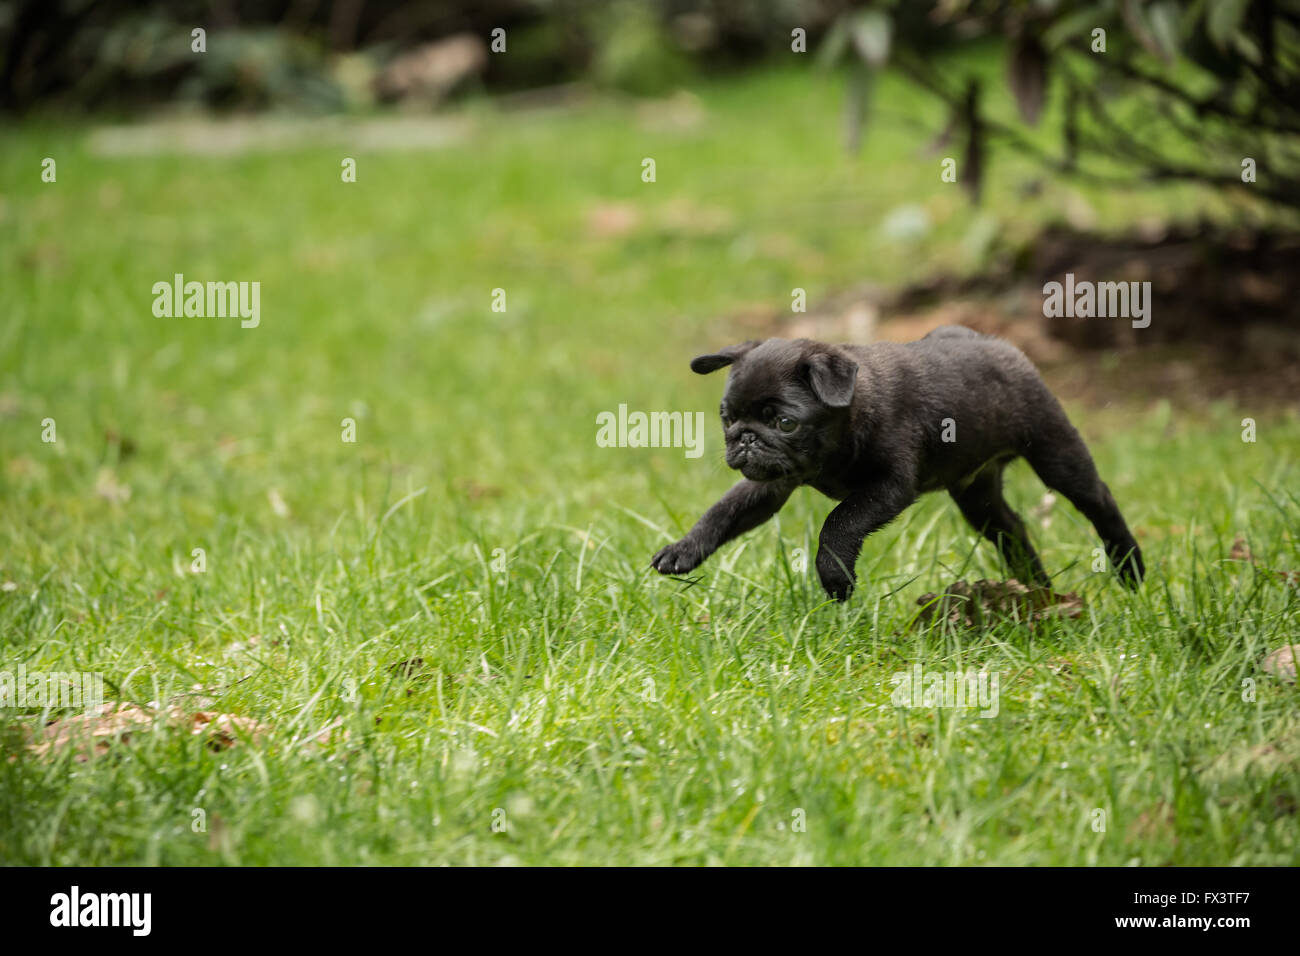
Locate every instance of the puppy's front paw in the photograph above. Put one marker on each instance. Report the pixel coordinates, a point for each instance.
(1132, 569)
(678, 558)
(836, 579)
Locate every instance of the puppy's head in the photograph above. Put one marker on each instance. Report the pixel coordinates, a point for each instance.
(786, 405)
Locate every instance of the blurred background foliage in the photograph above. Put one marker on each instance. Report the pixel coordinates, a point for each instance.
(1157, 89)
(104, 53)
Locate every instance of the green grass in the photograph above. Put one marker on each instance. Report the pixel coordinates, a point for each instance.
(614, 716)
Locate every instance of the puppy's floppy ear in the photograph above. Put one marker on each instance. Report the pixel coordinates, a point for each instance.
(832, 375)
(704, 364)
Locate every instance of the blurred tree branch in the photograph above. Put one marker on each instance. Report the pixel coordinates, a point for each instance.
(1175, 91)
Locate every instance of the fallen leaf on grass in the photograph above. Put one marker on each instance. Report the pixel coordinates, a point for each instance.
(1281, 663)
(321, 738)
(1241, 552)
(277, 503)
(407, 668)
(225, 730)
(109, 488)
(475, 491)
(986, 602)
(96, 732)
(612, 220)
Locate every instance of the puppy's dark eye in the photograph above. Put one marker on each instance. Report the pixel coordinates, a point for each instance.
(726, 420)
(786, 425)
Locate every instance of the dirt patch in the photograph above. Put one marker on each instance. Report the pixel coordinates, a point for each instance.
(1224, 314)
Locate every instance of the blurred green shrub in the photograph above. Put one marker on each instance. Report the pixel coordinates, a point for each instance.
(634, 52)
(261, 69)
(123, 54)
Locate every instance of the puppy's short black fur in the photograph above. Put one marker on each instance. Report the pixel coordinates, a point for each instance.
(874, 426)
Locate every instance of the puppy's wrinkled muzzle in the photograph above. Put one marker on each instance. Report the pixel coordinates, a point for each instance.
(753, 460)
(741, 453)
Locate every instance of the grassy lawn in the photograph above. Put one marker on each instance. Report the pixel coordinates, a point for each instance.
(462, 595)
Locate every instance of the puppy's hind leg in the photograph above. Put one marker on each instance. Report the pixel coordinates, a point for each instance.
(1063, 462)
(982, 504)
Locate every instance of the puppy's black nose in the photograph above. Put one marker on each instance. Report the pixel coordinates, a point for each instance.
(747, 438)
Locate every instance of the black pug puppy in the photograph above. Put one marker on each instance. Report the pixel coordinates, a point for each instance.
(874, 426)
